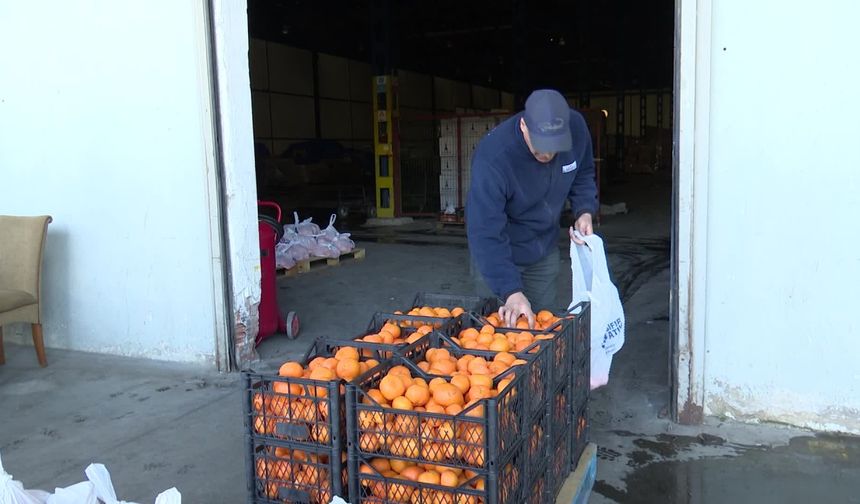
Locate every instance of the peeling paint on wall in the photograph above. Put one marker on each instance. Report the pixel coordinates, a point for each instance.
(245, 333)
(766, 404)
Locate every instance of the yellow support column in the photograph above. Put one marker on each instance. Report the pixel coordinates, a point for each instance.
(384, 147)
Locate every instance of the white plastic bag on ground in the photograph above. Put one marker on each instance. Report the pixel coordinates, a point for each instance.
(100, 478)
(170, 496)
(80, 493)
(340, 241)
(591, 282)
(330, 233)
(12, 492)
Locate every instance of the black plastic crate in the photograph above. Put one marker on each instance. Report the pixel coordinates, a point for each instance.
(537, 442)
(477, 438)
(537, 483)
(560, 415)
(304, 410)
(559, 466)
(284, 472)
(579, 434)
(405, 321)
(367, 350)
(582, 331)
(561, 340)
(538, 355)
(449, 301)
(580, 382)
(502, 484)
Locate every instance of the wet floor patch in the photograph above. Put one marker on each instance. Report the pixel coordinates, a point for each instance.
(820, 469)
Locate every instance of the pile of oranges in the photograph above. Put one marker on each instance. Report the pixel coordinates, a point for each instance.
(411, 475)
(544, 320)
(457, 389)
(297, 470)
(488, 339)
(429, 311)
(392, 334)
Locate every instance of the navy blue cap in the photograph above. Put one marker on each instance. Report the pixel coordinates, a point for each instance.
(547, 117)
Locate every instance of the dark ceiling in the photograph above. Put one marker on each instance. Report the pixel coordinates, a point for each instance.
(514, 45)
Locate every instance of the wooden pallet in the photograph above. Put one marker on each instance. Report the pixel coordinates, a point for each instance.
(313, 263)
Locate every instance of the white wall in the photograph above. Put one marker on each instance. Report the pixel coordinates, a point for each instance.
(783, 242)
(105, 125)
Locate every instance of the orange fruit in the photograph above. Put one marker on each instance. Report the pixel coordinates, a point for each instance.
(400, 370)
(424, 366)
(346, 353)
(323, 373)
(348, 369)
(446, 394)
(457, 311)
(505, 357)
(414, 337)
(518, 362)
(461, 382)
(402, 403)
(443, 367)
(463, 362)
(488, 329)
(481, 380)
(522, 345)
(418, 395)
(477, 362)
(485, 339)
(411, 472)
(399, 466)
(443, 312)
(373, 338)
(449, 479)
(439, 354)
(391, 386)
(470, 345)
(430, 477)
(454, 409)
(503, 384)
(500, 345)
(470, 333)
(394, 329)
(330, 363)
(543, 316)
(435, 382)
(479, 392)
(291, 370)
(426, 311)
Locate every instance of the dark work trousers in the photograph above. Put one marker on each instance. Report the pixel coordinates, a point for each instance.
(540, 282)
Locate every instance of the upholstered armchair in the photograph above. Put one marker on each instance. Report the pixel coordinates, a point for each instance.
(22, 242)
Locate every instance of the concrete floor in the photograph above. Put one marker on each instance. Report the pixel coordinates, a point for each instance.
(159, 425)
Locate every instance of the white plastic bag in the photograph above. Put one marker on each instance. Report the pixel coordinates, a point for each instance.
(169, 496)
(344, 244)
(80, 493)
(330, 233)
(283, 258)
(12, 492)
(306, 227)
(100, 478)
(591, 282)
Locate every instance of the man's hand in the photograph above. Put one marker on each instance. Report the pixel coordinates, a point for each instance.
(516, 305)
(584, 226)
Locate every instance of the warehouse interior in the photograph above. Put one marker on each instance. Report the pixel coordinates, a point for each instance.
(311, 75)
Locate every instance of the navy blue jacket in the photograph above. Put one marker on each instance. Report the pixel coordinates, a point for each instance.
(515, 201)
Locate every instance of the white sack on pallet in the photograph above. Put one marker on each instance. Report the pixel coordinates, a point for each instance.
(590, 282)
